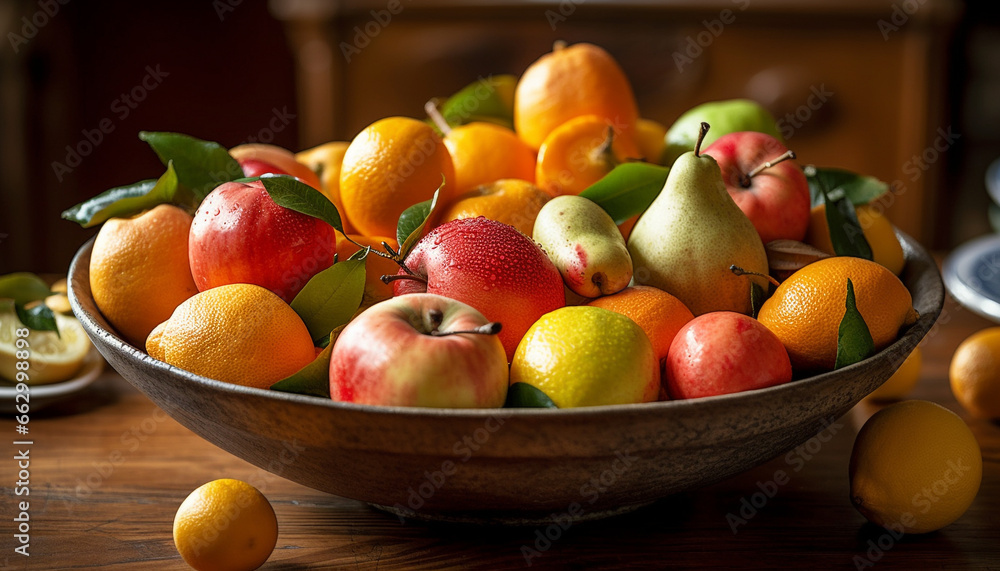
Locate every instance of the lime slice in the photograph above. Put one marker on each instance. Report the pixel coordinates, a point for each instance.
(51, 358)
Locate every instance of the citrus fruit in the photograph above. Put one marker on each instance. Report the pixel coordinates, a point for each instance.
(278, 157)
(483, 153)
(375, 266)
(915, 467)
(658, 313)
(511, 201)
(975, 374)
(877, 229)
(225, 525)
(139, 270)
(576, 80)
(326, 160)
(51, 358)
(391, 165)
(902, 381)
(238, 333)
(579, 153)
(650, 138)
(587, 356)
(805, 311)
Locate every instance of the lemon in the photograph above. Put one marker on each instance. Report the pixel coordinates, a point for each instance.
(587, 356)
(902, 381)
(51, 358)
(975, 374)
(915, 467)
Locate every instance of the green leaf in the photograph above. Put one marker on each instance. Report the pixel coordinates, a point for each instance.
(39, 318)
(628, 189)
(859, 189)
(854, 340)
(296, 195)
(128, 200)
(488, 99)
(757, 298)
(23, 287)
(523, 395)
(201, 165)
(846, 235)
(314, 378)
(412, 222)
(331, 297)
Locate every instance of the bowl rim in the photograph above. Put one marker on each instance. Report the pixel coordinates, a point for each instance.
(918, 329)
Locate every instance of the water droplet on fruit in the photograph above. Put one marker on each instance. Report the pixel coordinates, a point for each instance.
(493, 277)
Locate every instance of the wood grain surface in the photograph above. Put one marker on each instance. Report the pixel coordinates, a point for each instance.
(108, 470)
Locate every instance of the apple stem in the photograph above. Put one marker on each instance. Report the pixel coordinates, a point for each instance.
(745, 181)
(432, 111)
(491, 328)
(702, 131)
(436, 316)
(389, 279)
(741, 272)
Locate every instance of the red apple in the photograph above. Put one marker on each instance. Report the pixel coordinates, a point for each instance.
(239, 235)
(776, 197)
(420, 350)
(724, 352)
(254, 167)
(490, 266)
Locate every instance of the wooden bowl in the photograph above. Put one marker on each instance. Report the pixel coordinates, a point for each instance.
(508, 466)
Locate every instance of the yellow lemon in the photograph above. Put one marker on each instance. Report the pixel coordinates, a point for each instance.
(902, 381)
(50, 358)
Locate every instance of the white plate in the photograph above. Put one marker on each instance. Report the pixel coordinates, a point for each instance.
(43, 395)
(972, 275)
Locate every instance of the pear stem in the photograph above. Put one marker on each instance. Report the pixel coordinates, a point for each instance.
(389, 279)
(745, 181)
(434, 113)
(605, 151)
(702, 131)
(491, 328)
(558, 45)
(741, 272)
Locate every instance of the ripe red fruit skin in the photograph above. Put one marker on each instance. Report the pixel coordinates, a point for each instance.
(239, 235)
(253, 167)
(492, 267)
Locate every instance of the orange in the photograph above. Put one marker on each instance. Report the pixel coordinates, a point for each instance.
(278, 157)
(877, 230)
(511, 201)
(572, 81)
(375, 266)
(975, 374)
(577, 154)
(658, 313)
(139, 270)
(806, 309)
(484, 153)
(238, 333)
(225, 525)
(326, 160)
(391, 165)
(650, 137)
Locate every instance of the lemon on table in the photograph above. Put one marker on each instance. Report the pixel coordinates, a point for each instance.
(915, 466)
(587, 356)
(975, 374)
(51, 358)
(225, 525)
(902, 381)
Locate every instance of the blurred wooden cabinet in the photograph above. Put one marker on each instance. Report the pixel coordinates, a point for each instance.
(857, 84)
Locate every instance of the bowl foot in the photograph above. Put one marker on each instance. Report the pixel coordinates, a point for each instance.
(503, 518)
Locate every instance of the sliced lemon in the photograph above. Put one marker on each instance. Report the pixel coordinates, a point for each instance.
(51, 358)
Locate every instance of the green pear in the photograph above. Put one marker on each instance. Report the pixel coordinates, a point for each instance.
(584, 243)
(690, 236)
(727, 116)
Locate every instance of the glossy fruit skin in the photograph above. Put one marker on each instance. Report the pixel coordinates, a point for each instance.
(975, 374)
(777, 199)
(877, 229)
(511, 201)
(254, 167)
(490, 266)
(239, 235)
(570, 158)
(387, 356)
(726, 116)
(273, 159)
(484, 152)
(724, 352)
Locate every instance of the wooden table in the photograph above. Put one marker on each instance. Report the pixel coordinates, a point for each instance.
(109, 469)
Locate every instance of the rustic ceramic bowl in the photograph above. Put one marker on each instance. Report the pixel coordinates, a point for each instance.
(507, 466)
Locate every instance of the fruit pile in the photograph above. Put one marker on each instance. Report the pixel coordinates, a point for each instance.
(533, 242)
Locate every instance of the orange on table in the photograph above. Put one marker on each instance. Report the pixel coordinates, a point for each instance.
(238, 333)
(139, 270)
(577, 154)
(326, 161)
(975, 374)
(805, 311)
(391, 165)
(279, 157)
(511, 201)
(375, 266)
(569, 82)
(877, 230)
(650, 137)
(658, 313)
(484, 152)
